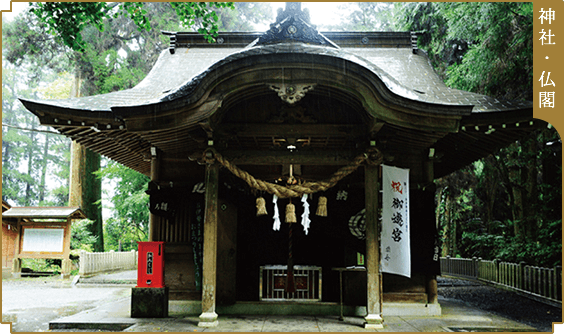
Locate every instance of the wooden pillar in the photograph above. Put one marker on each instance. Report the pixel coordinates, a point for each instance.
(208, 318)
(431, 287)
(432, 290)
(153, 219)
(374, 284)
(66, 264)
(16, 261)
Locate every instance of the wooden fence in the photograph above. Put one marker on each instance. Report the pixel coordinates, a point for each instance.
(92, 263)
(543, 284)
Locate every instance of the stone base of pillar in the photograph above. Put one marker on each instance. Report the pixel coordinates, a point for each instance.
(373, 321)
(208, 319)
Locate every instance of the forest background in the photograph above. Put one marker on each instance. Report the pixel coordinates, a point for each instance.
(506, 206)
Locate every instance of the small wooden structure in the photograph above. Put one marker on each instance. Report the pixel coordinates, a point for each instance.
(42, 233)
(291, 104)
(8, 238)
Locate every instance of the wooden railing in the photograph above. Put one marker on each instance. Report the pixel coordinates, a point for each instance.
(272, 283)
(92, 263)
(543, 284)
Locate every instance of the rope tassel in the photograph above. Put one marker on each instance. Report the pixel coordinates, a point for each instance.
(291, 213)
(322, 207)
(261, 207)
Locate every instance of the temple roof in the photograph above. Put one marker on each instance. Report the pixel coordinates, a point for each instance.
(382, 75)
(175, 75)
(44, 213)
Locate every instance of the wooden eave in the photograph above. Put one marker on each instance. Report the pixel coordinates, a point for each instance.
(473, 142)
(5, 206)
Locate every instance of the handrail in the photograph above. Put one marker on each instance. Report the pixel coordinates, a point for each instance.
(92, 263)
(542, 284)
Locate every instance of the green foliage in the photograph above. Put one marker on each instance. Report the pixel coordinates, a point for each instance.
(25, 38)
(202, 15)
(364, 16)
(109, 71)
(67, 20)
(501, 49)
(137, 13)
(506, 206)
(114, 45)
(244, 15)
(483, 47)
(131, 220)
(546, 252)
(82, 238)
(41, 265)
(27, 156)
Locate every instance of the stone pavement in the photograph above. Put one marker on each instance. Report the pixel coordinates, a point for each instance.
(114, 315)
(456, 316)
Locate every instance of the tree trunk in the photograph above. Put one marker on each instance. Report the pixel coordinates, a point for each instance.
(453, 228)
(30, 155)
(448, 242)
(530, 182)
(44, 170)
(491, 186)
(85, 189)
(5, 154)
(438, 196)
(517, 208)
(504, 176)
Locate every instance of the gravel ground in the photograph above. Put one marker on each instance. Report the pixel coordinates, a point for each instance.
(501, 302)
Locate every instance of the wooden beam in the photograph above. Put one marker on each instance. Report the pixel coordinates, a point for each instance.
(282, 157)
(291, 130)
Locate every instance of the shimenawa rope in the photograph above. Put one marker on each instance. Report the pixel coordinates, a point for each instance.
(373, 156)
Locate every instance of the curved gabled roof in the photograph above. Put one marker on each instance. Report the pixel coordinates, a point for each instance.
(178, 75)
(383, 72)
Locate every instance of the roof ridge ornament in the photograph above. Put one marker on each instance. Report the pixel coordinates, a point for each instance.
(293, 25)
(293, 9)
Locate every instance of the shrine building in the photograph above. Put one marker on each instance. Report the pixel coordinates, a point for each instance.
(253, 122)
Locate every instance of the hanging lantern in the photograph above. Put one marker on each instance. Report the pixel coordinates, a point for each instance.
(291, 213)
(261, 207)
(322, 206)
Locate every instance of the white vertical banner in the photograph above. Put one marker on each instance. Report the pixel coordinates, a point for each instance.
(395, 241)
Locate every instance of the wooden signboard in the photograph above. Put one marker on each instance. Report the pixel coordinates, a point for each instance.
(43, 233)
(44, 241)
